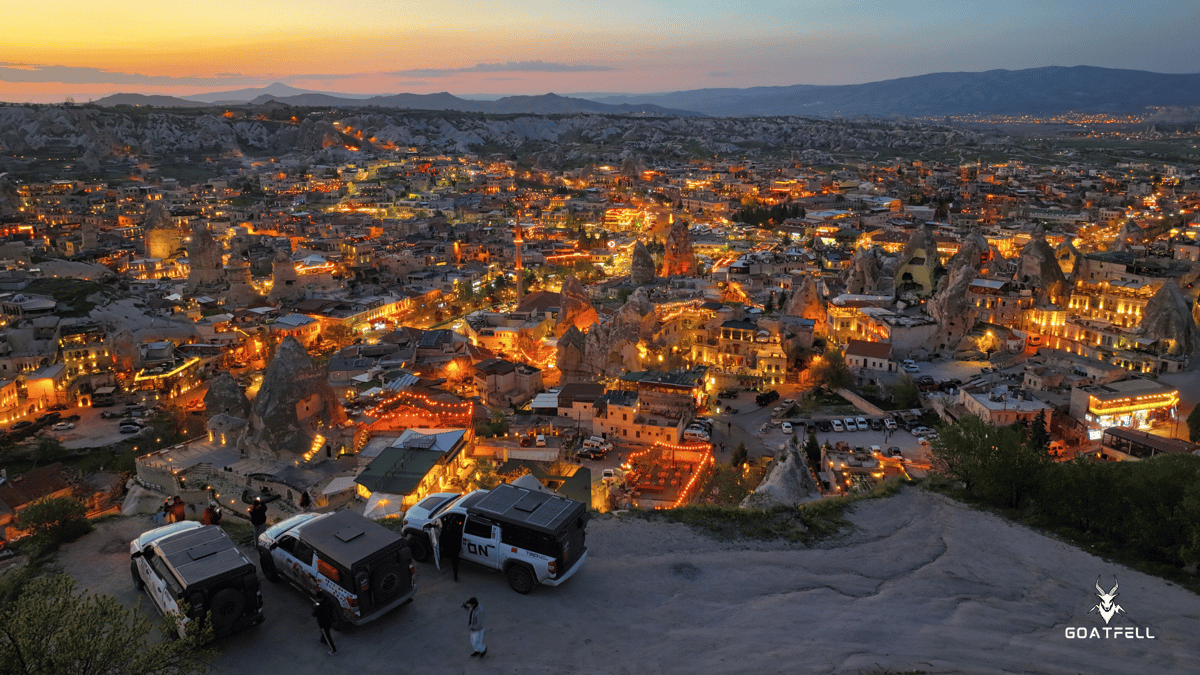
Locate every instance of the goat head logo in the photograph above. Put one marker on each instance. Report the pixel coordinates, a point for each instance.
(1108, 601)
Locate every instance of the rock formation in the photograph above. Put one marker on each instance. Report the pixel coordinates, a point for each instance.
(293, 405)
(806, 303)
(10, 198)
(285, 285)
(574, 307)
(1168, 319)
(225, 397)
(641, 266)
(789, 483)
(204, 260)
(1067, 256)
(679, 258)
(870, 269)
(952, 310)
(162, 237)
(609, 348)
(1038, 267)
(919, 266)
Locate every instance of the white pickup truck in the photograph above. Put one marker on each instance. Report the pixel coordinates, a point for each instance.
(535, 537)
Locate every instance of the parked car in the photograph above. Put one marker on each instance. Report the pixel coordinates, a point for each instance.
(862, 423)
(787, 427)
(825, 426)
(838, 426)
(730, 410)
(889, 424)
(128, 429)
(789, 402)
(23, 424)
(50, 417)
(540, 440)
(876, 424)
(63, 426)
(911, 368)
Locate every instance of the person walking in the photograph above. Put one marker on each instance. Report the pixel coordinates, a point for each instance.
(475, 623)
(323, 609)
(450, 539)
(258, 517)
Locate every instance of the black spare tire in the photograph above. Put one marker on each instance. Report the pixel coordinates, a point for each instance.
(387, 581)
(227, 605)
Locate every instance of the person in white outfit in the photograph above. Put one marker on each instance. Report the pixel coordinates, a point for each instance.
(475, 623)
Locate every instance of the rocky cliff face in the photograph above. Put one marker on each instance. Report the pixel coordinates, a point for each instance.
(10, 199)
(1038, 267)
(575, 307)
(225, 397)
(609, 348)
(869, 269)
(1168, 319)
(954, 314)
(294, 403)
(806, 303)
(205, 260)
(103, 133)
(789, 483)
(641, 266)
(679, 259)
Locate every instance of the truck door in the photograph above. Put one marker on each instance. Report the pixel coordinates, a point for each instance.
(481, 542)
(295, 559)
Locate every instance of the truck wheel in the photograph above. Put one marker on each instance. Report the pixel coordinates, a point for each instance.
(137, 578)
(227, 606)
(386, 581)
(420, 549)
(268, 567)
(519, 578)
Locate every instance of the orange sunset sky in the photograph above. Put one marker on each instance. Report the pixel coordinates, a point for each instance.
(86, 50)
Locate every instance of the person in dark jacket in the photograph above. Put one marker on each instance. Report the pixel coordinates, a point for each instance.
(324, 610)
(450, 540)
(475, 623)
(258, 517)
(212, 514)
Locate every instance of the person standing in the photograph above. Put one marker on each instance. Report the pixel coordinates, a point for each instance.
(450, 539)
(475, 623)
(178, 510)
(258, 517)
(305, 502)
(212, 514)
(323, 609)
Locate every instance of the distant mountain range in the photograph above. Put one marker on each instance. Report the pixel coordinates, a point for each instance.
(1035, 91)
(546, 104)
(1053, 89)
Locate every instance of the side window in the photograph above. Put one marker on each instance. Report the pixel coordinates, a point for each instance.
(161, 571)
(288, 544)
(478, 528)
(303, 553)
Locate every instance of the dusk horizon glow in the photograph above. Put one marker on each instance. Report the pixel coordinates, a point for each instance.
(535, 47)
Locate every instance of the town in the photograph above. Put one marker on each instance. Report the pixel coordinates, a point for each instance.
(395, 324)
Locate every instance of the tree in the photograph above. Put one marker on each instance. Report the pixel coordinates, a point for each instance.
(831, 370)
(994, 463)
(812, 451)
(905, 393)
(739, 455)
(57, 520)
(339, 334)
(1193, 425)
(49, 630)
(49, 449)
(1039, 436)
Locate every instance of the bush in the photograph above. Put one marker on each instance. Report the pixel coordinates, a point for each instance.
(56, 520)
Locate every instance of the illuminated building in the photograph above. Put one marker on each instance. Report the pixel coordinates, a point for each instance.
(1124, 445)
(403, 470)
(1132, 403)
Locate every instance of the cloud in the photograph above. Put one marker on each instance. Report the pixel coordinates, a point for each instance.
(29, 73)
(509, 67)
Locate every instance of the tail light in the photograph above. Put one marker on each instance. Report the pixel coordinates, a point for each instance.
(352, 601)
(553, 567)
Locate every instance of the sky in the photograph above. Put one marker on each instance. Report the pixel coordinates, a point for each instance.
(87, 50)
